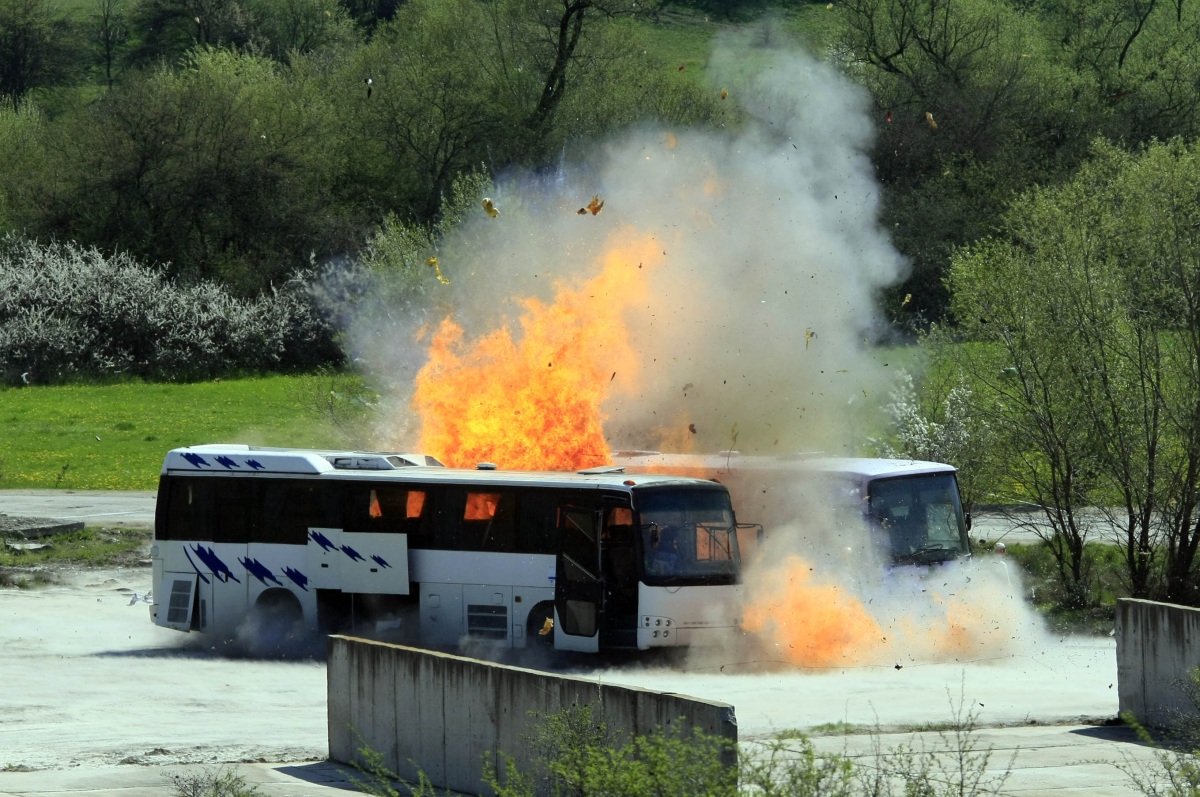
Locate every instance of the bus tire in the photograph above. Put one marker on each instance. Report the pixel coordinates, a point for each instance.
(536, 622)
(275, 625)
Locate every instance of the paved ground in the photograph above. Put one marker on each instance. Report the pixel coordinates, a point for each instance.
(98, 701)
(92, 507)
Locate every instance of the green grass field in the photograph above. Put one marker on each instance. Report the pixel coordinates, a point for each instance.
(114, 437)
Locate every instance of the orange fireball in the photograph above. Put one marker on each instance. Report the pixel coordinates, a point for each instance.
(534, 401)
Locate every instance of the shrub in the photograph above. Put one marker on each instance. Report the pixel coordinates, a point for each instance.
(66, 312)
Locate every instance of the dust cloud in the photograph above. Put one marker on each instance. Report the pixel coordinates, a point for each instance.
(736, 272)
(750, 329)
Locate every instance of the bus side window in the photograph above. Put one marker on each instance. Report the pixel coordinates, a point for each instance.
(489, 522)
(537, 516)
(189, 509)
(377, 508)
(292, 507)
(236, 512)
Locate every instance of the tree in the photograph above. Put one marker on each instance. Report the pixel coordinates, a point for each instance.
(1139, 57)
(1088, 309)
(974, 105)
(34, 42)
(558, 49)
(109, 33)
(223, 169)
(456, 83)
(164, 30)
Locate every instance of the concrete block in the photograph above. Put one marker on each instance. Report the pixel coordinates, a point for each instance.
(451, 717)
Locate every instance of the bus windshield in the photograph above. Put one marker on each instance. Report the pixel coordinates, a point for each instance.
(920, 517)
(687, 537)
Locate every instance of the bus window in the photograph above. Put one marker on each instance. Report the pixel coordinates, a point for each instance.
(292, 507)
(237, 511)
(687, 534)
(381, 508)
(920, 516)
(489, 521)
(189, 504)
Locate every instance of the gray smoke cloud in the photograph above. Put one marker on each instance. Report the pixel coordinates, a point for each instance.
(754, 326)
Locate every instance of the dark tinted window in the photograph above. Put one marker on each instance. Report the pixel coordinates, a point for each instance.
(210, 508)
(292, 506)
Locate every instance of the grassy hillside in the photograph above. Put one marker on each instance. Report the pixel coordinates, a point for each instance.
(114, 437)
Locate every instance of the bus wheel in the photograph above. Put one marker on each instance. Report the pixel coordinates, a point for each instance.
(541, 618)
(275, 625)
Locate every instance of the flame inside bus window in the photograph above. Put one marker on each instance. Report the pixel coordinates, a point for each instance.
(687, 534)
(481, 506)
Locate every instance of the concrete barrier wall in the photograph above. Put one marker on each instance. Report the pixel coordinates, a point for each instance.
(1158, 645)
(440, 714)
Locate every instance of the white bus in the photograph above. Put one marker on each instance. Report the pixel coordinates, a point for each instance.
(332, 540)
(908, 511)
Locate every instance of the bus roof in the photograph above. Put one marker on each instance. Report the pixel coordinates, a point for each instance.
(249, 460)
(726, 461)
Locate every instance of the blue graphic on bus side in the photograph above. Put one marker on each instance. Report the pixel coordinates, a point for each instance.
(227, 462)
(298, 578)
(213, 562)
(379, 560)
(203, 577)
(353, 554)
(255, 464)
(260, 571)
(322, 540)
(196, 459)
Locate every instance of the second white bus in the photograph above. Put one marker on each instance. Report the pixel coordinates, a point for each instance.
(904, 512)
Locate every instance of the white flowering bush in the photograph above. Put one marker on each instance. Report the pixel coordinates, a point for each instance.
(68, 312)
(937, 422)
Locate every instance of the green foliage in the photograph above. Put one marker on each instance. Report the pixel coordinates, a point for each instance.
(380, 781)
(1095, 382)
(1176, 768)
(399, 251)
(932, 419)
(36, 48)
(49, 434)
(91, 547)
(221, 169)
(218, 782)
(1102, 581)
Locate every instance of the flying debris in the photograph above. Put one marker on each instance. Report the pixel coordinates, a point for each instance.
(724, 94)
(889, 117)
(929, 118)
(368, 81)
(547, 627)
(25, 378)
(808, 336)
(491, 208)
(136, 598)
(907, 299)
(596, 205)
(681, 67)
(433, 261)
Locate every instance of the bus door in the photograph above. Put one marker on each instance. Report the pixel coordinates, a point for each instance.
(578, 586)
